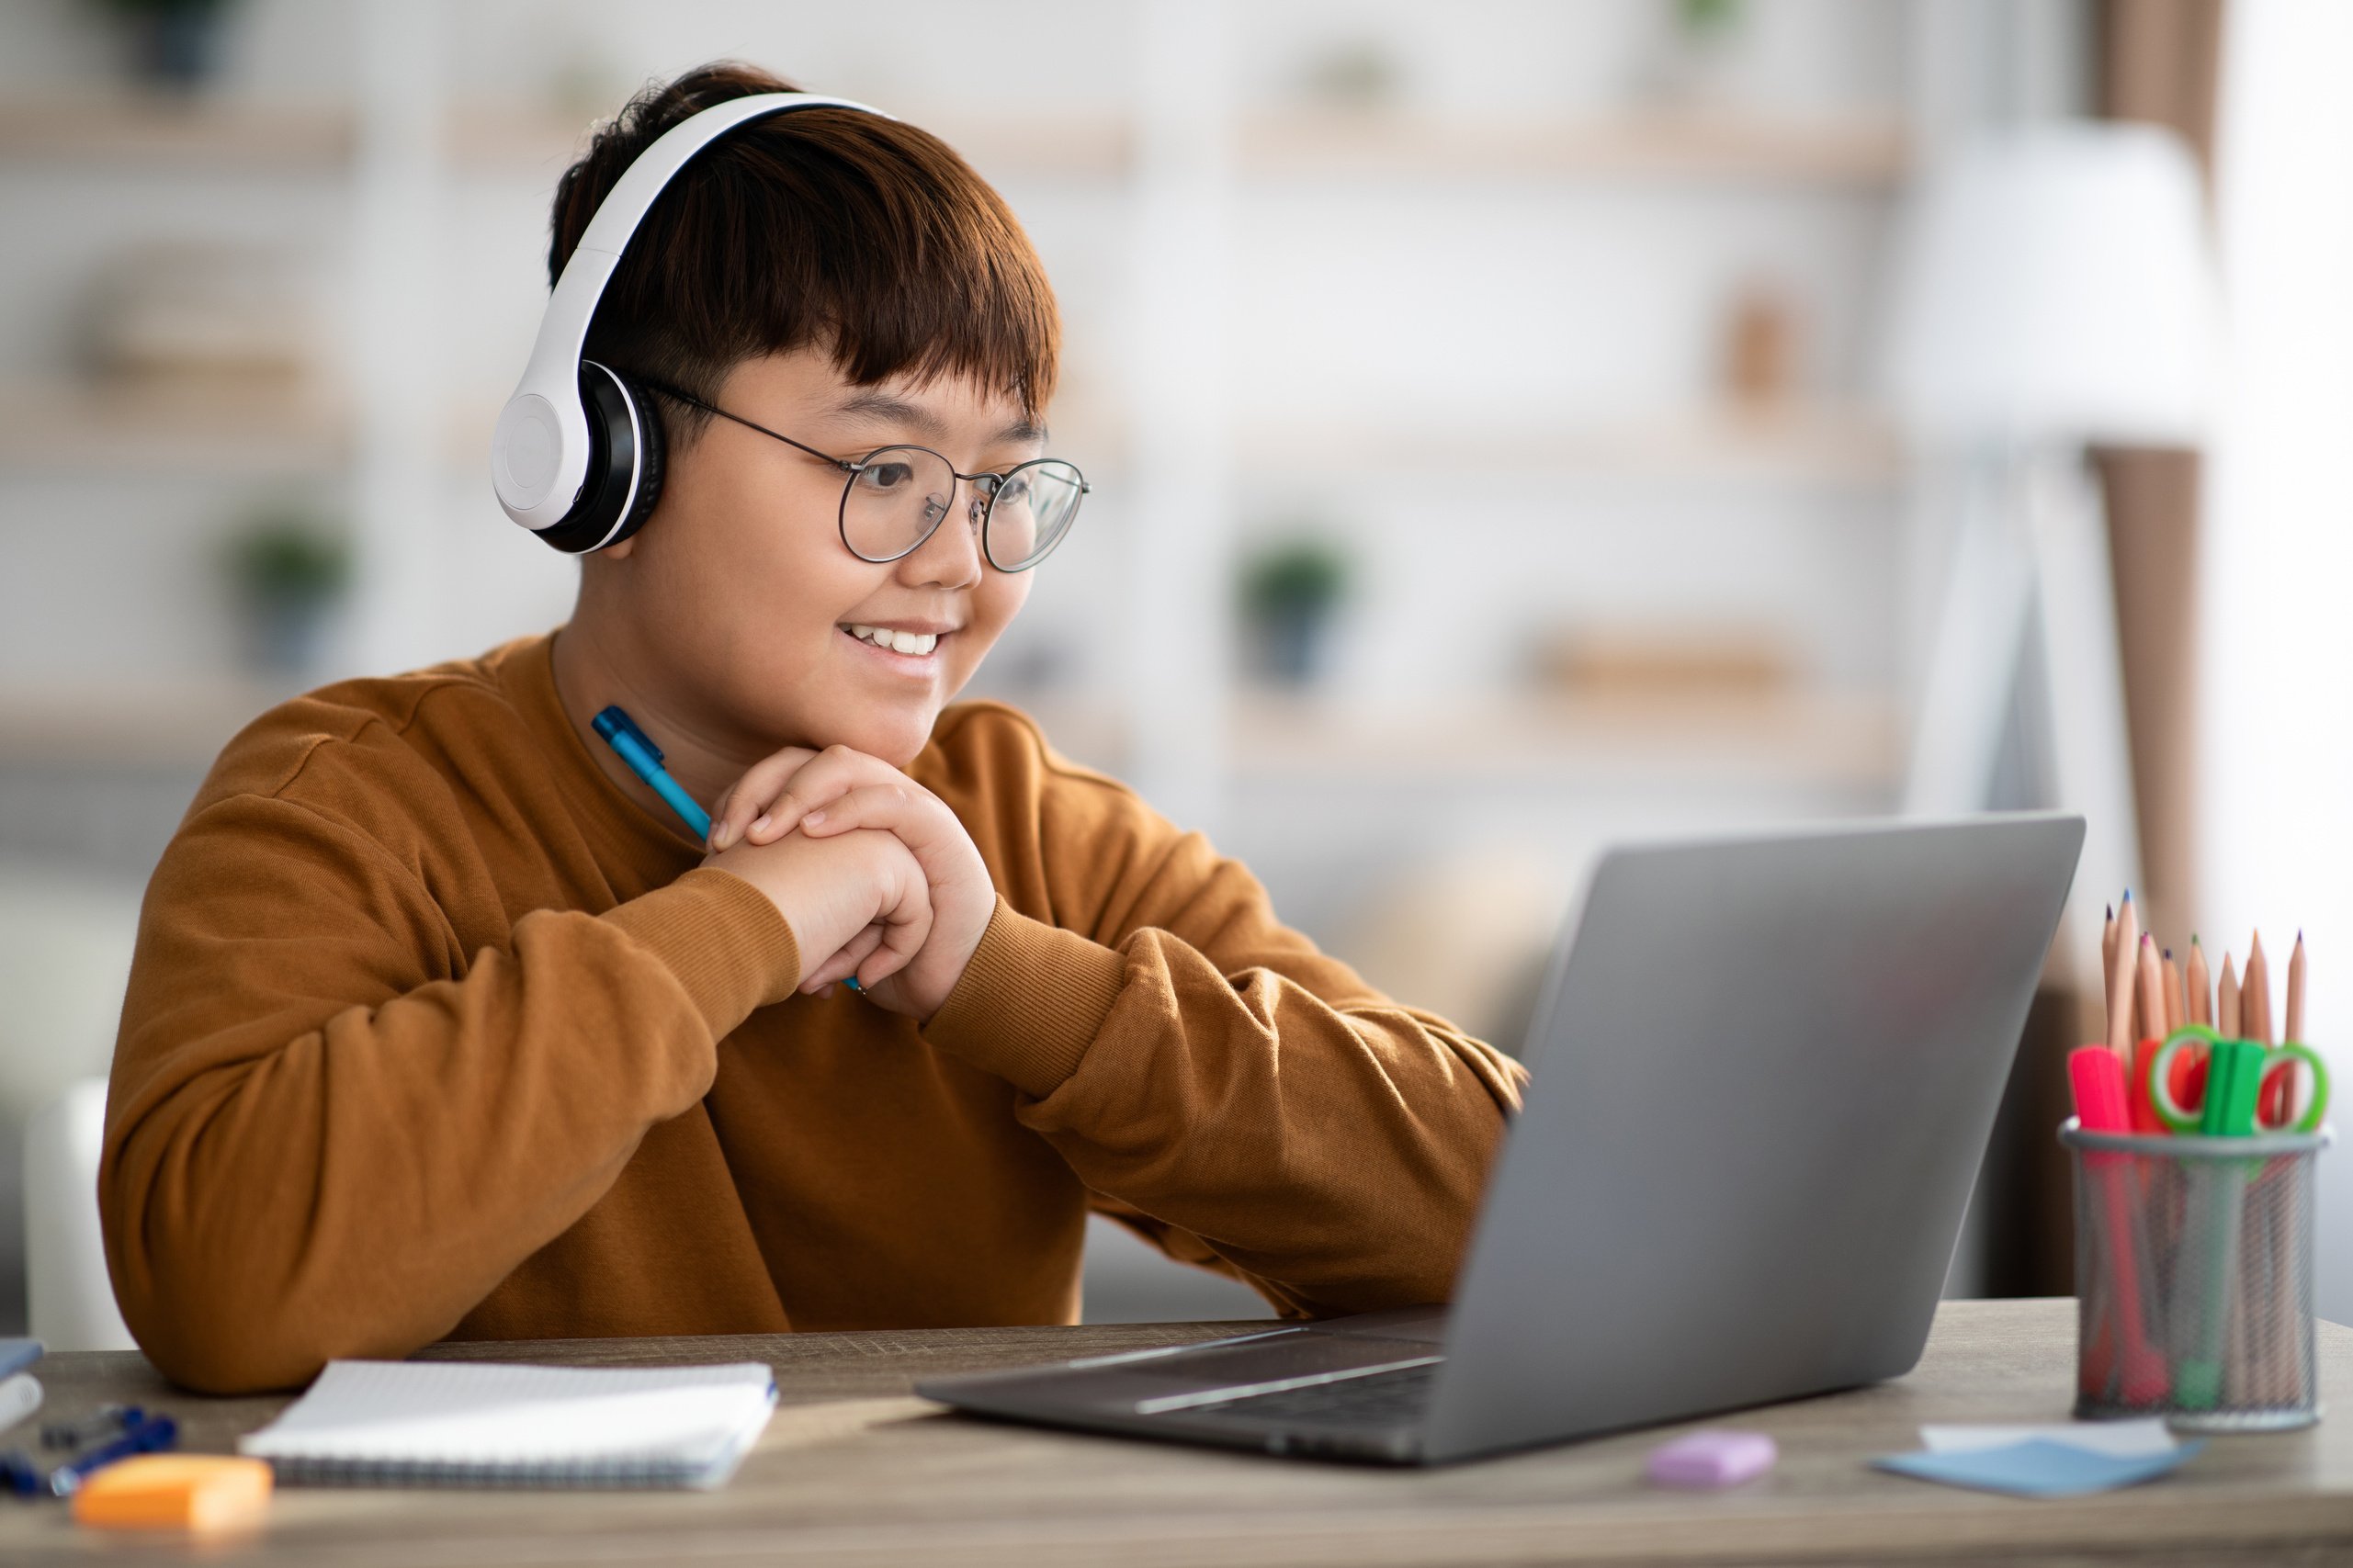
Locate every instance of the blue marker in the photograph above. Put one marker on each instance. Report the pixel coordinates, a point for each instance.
(644, 757)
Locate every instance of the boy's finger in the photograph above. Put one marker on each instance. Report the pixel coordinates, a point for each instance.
(817, 784)
(906, 926)
(897, 808)
(845, 963)
(901, 943)
(784, 813)
(761, 783)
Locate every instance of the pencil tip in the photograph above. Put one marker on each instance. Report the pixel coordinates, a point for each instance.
(2128, 895)
(2193, 939)
(2108, 911)
(2169, 955)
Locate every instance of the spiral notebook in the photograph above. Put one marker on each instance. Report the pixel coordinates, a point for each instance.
(489, 1424)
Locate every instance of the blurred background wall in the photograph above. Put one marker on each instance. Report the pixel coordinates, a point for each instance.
(1481, 399)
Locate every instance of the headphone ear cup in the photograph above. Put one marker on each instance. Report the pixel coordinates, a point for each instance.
(624, 464)
(653, 457)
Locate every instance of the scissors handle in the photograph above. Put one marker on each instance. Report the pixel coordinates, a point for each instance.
(2184, 1119)
(2159, 1086)
(2290, 1054)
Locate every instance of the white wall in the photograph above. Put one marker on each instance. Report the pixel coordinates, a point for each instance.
(2277, 813)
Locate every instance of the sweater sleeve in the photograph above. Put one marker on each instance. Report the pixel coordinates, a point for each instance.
(332, 1133)
(1225, 1088)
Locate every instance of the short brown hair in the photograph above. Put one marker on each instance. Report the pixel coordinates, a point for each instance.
(860, 234)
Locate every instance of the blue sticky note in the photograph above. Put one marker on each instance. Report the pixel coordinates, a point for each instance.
(2037, 1468)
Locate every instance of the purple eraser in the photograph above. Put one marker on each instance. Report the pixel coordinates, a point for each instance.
(1712, 1459)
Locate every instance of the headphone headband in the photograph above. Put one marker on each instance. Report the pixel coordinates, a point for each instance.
(542, 451)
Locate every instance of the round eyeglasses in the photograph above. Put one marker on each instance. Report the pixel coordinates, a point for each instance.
(895, 497)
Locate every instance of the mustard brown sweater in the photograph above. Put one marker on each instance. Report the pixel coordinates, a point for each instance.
(433, 1032)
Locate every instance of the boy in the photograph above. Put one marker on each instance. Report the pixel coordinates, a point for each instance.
(440, 1027)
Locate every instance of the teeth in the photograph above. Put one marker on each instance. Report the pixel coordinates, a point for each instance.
(898, 642)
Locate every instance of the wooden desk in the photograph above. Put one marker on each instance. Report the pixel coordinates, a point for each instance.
(885, 1480)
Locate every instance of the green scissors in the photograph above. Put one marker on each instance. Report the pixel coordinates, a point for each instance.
(2237, 1073)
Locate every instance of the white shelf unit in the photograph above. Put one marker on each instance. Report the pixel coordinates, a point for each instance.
(1165, 192)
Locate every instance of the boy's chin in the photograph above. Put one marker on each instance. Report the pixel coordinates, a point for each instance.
(894, 736)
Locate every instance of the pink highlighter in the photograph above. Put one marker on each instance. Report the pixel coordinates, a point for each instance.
(1709, 1460)
(2097, 1076)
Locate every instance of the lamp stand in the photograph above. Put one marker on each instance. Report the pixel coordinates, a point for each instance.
(2029, 558)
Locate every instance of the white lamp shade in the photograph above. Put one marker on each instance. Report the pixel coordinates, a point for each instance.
(2054, 284)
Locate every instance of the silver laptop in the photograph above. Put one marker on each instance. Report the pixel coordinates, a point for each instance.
(1765, 1072)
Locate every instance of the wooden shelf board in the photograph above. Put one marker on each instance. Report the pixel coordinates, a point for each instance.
(127, 130)
(1795, 738)
(1779, 738)
(78, 428)
(491, 139)
(1793, 446)
(1723, 145)
(178, 722)
(1492, 737)
(117, 129)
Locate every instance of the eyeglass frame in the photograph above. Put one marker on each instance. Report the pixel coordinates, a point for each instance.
(854, 469)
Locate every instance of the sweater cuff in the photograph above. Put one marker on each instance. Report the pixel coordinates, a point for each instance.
(1030, 1002)
(721, 938)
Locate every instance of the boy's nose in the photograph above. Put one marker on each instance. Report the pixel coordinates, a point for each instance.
(950, 558)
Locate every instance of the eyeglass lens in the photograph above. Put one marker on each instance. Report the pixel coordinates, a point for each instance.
(900, 494)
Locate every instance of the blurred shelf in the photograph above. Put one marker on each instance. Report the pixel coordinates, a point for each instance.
(489, 137)
(106, 128)
(1790, 739)
(70, 428)
(1796, 445)
(1731, 741)
(1686, 145)
(178, 722)
(67, 427)
(121, 130)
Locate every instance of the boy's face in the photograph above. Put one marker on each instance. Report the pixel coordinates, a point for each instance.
(740, 580)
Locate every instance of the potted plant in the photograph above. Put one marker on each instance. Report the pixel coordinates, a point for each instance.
(1288, 594)
(176, 44)
(288, 571)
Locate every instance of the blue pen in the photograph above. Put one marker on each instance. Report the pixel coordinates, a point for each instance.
(146, 1435)
(644, 757)
(141, 1433)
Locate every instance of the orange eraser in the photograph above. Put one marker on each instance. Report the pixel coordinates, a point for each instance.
(175, 1492)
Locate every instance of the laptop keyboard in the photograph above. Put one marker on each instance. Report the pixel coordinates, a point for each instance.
(1378, 1399)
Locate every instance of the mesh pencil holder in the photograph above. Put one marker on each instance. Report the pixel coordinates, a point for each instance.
(2194, 1277)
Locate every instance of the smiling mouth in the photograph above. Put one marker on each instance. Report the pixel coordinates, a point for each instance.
(909, 645)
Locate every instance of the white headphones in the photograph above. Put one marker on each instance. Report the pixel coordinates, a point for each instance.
(577, 455)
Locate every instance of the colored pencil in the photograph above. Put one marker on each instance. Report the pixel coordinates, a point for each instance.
(2176, 1005)
(2226, 1002)
(2295, 1030)
(2255, 995)
(2201, 985)
(2149, 1021)
(2106, 940)
(2119, 981)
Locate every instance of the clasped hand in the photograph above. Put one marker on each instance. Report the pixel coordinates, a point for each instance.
(873, 873)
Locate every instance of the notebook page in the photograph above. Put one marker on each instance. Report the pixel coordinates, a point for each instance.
(456, 1414)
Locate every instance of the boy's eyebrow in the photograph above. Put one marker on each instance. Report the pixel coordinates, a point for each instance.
(882, 405)
(876, 404)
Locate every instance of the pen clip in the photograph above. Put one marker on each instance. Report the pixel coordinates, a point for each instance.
(613, 722)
